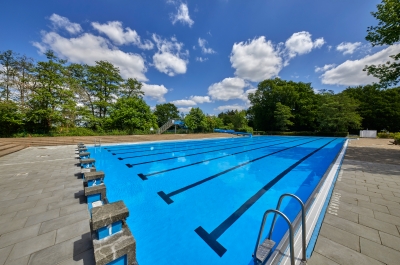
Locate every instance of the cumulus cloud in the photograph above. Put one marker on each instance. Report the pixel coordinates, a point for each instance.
(119, 36)
(185, 110)
(230, 107)
(182, 15)
(170, 58)
(201, 99)
(351, 72)
(324, 68)
(64, 23)
(256, 59)
(156, 92)
(229, 88)
(301, 43)
(184, 102)
(348, 47)
(88, 48)
(204, 49)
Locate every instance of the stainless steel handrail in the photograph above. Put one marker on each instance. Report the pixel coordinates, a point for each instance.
(303, 220)
(290, 233)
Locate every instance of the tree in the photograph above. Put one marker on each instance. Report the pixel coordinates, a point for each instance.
(131, 88)
(386, 33)
(51, 98)
(24, 81)
(132, 113)
(11, 119)
(282, 116)
(195, 120)
(337, 113)
(166, 112)
(7, 74)
(212, 122)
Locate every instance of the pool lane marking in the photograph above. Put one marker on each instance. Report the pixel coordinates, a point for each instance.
(137, 147)
(167, 197)
(225, 144)
(196, 145)
(175, 157)
(144, 176)
(211, 238)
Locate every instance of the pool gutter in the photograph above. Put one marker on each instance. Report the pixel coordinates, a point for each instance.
(316, 207)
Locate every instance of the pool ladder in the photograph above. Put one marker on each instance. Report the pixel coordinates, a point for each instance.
(97, 143)
(261, 252)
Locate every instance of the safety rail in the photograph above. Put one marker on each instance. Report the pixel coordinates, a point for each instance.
(165, 126)
(97, 143)
(268, 244)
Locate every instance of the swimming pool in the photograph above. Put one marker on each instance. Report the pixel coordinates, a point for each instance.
(202, 201)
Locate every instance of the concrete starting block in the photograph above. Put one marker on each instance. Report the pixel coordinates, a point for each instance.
(88, 163)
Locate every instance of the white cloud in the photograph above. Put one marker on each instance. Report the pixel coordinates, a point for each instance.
(182, 15)
(156, 92)
(202, 45)
(170, 59)
(88, 48)
(64, 23)
(185, 110)
(201, 99)
(351, 73)
(324, 68)
(201, 59)
(114, 31)
(348, 47)
(229, 88)
(301, 43)
(230, 107)
(256, 59)
(184, 102)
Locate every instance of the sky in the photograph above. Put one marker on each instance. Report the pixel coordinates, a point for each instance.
(209, 54)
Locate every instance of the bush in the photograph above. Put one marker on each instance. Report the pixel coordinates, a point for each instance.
(396, 138)
(385, 135)
(245, 129)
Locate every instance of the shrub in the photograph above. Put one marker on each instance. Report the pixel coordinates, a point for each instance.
(396, 138)
(245, 129)
(306, 133)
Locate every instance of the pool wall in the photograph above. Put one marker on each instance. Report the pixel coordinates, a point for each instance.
(315, 208)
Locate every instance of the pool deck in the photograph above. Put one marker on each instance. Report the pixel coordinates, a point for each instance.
(44, 219)
(362, 223)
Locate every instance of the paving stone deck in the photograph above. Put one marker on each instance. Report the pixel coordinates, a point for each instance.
(362, 223)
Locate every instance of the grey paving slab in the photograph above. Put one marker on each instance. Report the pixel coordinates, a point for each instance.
(32, 211)
(73, 230)
(341, 254)
(378, 225)
(32, 245)
(318, 259)
(62, 221)
(4, 252)
(20, 261)
(19, 235)
(373, 206)
(387, 218)
(340, 236)
(41, 217)
(7, 217)
(76, 207)
(378, 252)
(390, 240)
(12, 225)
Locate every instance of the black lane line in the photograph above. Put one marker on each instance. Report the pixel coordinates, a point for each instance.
(181, 150)
(211, 238)
(170, 144)
(167, 197)
(144, 176)
(175, 157)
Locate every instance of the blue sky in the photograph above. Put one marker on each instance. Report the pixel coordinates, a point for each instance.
(208, 54)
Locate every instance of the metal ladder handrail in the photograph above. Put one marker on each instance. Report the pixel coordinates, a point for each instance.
(303, 220)
(262, 229)
(165, 126)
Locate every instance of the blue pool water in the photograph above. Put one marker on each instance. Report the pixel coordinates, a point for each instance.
(202, 201)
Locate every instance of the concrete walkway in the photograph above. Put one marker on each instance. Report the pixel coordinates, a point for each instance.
(362, 223)
(43, 215)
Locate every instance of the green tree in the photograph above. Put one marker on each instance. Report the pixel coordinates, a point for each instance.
(195, 120)
(7, 73)
(51, 99)
(239, 119)
(338, 113)
(11, 118)
(166, 112)
(132, 114)
(131, 88)
(387, 32)
(24, 81)
(212, 122)
(282, 115)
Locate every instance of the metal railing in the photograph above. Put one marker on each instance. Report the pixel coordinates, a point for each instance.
(165, 126)
(269, 240)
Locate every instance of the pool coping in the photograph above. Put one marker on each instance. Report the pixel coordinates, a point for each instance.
(315, 210)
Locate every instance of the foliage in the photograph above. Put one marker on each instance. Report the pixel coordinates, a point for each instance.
(307, 133)
(211, 123)
(196, 120)
(132, 114)
(282, 116)
(11, 119)
(166, 112)
(396, 138)
(337, 113)
(385, 135)
(386, 33)
(246, 129)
